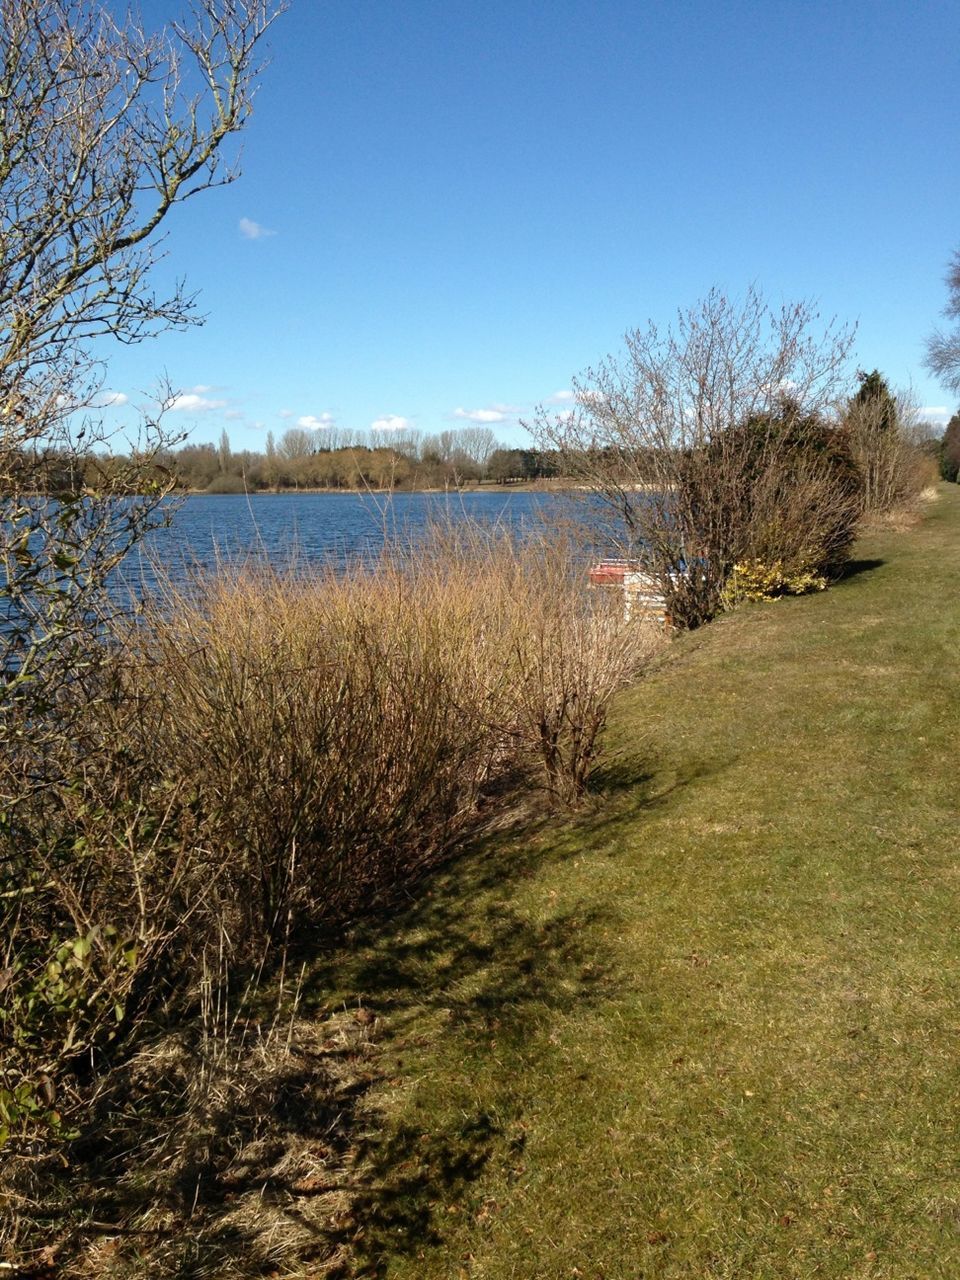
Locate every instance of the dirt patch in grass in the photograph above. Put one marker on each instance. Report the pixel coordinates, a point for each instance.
(243, 1160)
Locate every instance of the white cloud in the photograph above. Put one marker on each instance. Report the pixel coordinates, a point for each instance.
(938, 413)
(193, 402)
(251, 230)
(480, 415)
(109, 400)
(785, 387)
(310, 421)
(561, 397)
(234, 415)
(390, 422)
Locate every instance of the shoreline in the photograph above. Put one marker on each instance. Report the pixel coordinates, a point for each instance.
(533, 486)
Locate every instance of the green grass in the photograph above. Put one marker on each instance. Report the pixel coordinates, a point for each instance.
(708, 1028)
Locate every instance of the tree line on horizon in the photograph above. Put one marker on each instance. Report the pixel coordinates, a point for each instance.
(300, 459)
(333, 458)
(338, 459)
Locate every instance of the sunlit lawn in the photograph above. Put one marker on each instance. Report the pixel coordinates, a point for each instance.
(711, 1027)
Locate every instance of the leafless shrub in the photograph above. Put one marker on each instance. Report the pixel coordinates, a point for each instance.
(341, 729)
(324, 727)
(567, 653)
(105, 128)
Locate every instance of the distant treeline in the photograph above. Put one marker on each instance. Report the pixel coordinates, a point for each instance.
(307, 459)
(331, 459)
(327, 458)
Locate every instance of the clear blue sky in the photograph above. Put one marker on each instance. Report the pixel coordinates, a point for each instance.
(467, 203)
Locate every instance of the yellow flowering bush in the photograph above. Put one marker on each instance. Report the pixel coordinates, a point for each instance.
(752, 580)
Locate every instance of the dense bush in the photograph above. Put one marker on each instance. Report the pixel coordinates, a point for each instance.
(754, 580)
(685, 439)
(784, 489)
(950, 450)
(775, 498)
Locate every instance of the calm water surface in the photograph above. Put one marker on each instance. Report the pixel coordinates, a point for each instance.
(318, 528)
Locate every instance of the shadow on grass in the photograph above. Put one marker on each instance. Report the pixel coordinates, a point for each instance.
(466, 960)
(623, 772)
(463, 958)
(462, 961)
(411, 1180)
(629, 783)
(853, 568)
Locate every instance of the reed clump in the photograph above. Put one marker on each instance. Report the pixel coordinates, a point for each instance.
(260, 755)
(340, 732)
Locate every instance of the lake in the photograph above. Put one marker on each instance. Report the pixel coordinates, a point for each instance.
(317, 528)
(321, 528)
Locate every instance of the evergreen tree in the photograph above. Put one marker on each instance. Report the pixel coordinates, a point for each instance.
(875, 394)
(950, 450)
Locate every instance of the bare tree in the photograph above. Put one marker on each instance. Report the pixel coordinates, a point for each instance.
(297, 443)
(943, 347)
(333, 438)
(271, 468)
(383, 438)
(651, 434)
(446, 444)
(408, 443)
(224, 452)
(104, 129)
(478, 443)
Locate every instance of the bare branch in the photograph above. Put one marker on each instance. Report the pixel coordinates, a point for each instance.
(103, 129)
(943, 347)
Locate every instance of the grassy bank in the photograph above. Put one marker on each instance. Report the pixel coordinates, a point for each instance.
(708, 1029)
(704, 1028)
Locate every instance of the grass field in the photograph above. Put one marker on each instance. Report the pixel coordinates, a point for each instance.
(708, 1028)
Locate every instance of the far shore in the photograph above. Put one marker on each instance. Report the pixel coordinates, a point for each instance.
(519, 486)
